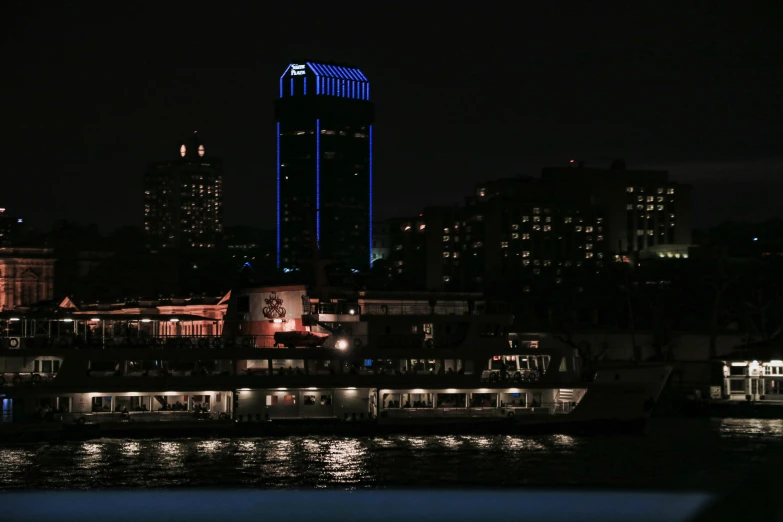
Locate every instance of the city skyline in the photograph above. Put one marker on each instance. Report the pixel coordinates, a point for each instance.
(675, 96)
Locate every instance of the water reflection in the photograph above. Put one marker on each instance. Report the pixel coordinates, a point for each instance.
(345, 462)
(751, 427)
(131, 448)
(209, 447)
(680, 454)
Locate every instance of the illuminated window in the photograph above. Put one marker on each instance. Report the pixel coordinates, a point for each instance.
(548, 219)
(514, 227)
(567, 219)
(547, 228)
(536, 219)
(515, 235)
(525, 219)
(504, 244)
(640, 199)
(629, 189)
(446, 238)
(660, 191)
(201, 150)
(422, 227)
(649, 232)
(650, 207)
(578, 228)
(599, 238)
(536, 210)
(650, 199)
(536, 228)
(446, 254)
(445, 230)
(455, 255)
(525, 236)
(588, 255)
(589, 230)
(660, 207)
(629, 206)
(639, 232)
(525, 253)
(589, 246)
(446, 279)
(670, 191)
(639, 207)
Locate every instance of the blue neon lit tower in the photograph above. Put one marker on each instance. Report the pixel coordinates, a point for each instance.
(324, 120)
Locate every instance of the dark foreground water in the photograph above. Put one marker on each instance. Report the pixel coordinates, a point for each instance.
(675, 454)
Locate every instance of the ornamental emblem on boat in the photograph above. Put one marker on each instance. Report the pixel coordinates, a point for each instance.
(274, 307)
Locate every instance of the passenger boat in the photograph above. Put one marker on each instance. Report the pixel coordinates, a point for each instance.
(366, 365)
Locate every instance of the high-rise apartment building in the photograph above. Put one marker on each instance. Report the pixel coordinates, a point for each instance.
(183, 200)
(518, 228)
(324, 165)
(644, 209)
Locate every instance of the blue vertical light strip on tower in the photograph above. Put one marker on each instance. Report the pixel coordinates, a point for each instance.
(370, 196)
(318, 183)
(339, 87)
(368, 91)
(278, 194)
(292, 86)
(281, 79)
(305, 85)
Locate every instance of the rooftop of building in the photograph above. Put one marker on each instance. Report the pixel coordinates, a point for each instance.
(331, 70)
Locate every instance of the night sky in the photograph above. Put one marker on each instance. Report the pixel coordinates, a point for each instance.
(463, 93)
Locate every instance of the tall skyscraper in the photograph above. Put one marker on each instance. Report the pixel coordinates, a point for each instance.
(183, 199)
(324, 165)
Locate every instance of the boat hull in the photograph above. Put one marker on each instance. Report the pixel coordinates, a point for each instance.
(51, 433)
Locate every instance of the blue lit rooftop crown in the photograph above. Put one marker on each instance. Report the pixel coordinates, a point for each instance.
(329, 80)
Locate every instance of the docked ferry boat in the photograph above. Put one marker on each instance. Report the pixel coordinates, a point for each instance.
(284, 362)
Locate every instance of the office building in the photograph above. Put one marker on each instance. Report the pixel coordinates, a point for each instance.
(324, 126)
(183, 199)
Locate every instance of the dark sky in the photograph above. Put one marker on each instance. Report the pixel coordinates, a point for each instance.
(464, 92)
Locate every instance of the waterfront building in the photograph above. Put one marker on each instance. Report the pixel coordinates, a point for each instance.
(520, 230)
(324, 128)
(183, 199)
(26, 276)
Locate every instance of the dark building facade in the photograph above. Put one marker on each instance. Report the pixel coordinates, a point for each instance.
(324, 165)
(522, 229)
(12, 229)
(183, 200)
(644, 209)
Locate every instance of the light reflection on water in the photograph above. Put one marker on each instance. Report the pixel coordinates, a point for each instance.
(676, 453)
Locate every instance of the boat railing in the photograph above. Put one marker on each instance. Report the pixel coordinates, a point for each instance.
(554, 408)
(131, 416)
(410, 308)
(25, 378)
(160, 341)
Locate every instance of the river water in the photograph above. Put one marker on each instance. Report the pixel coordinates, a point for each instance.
(704, 455)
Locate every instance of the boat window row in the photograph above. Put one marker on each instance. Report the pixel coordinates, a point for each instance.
(251, 367)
